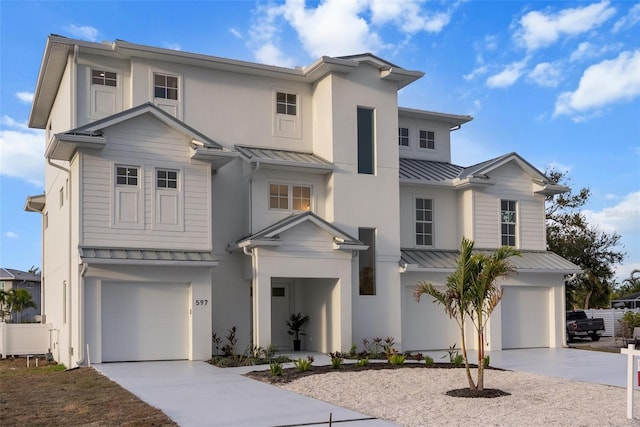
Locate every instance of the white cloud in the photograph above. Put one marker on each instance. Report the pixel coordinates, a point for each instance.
(587, 50)
(236, 33)
(540, 29)
(546, 74)
(623, 271)
(11, 235)
(622, 218)
(602, 84)
(264, 37)
(25, 96)
(22, 152)
(172, 46)
(561, 167)
(409, 16)
(628, 21)
(84, 32)
(508, 76)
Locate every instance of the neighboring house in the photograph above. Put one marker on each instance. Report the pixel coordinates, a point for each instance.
(17, 279)
(627, 301)
(187, 194)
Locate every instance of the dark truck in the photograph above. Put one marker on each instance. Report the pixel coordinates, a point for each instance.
(579, 325)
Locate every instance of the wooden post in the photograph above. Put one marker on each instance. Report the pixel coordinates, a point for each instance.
(631, 352)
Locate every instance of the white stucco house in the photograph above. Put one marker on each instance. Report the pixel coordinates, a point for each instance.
(186, 194)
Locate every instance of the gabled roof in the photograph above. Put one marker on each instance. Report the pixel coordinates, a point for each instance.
(13, 274)
(443, 261)
(143, 256)
(630, 297)
(58, 50)
(270, 236)
(285, 159)
(91, 135)
(441, 173)
(35, 203)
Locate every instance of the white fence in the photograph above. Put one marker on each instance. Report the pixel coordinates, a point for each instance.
(611, 318)
(23, 339)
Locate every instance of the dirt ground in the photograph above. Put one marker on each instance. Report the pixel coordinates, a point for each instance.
(49, 395)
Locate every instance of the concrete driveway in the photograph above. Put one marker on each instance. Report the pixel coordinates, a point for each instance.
(198, 394)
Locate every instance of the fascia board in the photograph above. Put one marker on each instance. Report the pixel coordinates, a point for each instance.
(400, 75)
(418, 182)
(462, 184)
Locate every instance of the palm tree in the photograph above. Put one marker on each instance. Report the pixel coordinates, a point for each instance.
(471, 291)
(3, 304)
(18, 300)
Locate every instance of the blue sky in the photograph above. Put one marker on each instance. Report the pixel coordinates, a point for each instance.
(558, 82)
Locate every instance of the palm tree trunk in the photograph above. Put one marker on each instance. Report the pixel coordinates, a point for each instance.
(472, 386)
(480, 358)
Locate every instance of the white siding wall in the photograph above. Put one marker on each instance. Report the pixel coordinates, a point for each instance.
(445, 220)
(512, 183)
(147, 143)
(442, 149)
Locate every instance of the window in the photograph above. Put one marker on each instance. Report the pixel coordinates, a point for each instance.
(278, 196)
(367, 261)
(2, 285)
(427, 139)
(508, 222)
(403, 137)
(290, 197)
(126, 175)
(166, 178)
(286, 103)
(165, 86)
(424, 222)
(365, 141)
(29, 285)
(104, 78)
(61, 196)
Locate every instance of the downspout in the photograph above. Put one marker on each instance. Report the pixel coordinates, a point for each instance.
(251, 253)
(81, 354)
(250, 178)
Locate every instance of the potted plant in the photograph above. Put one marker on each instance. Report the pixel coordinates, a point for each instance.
(295, 324)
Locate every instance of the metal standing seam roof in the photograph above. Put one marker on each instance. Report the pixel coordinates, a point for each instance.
(151, 256)
(427, 170)
(13, 274)
(530, 261)
(283, 157)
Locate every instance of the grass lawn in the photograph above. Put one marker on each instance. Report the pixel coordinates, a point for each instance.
(49, 395)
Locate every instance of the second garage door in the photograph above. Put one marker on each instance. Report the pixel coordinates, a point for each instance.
(145, 321)
(525, 317)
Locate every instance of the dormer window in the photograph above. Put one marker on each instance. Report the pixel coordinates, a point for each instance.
(286, 103)
(165, 86)
(104, 78)
(403, 137)
(427, 139)
(286, 113)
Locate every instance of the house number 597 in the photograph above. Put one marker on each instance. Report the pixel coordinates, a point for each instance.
(202, 301)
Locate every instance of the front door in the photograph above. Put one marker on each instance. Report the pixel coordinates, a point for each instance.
(280, 311)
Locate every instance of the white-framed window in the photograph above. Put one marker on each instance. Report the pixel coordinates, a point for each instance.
(287, 113)
(366, 140)
(424, 222)
(168, 200)
(29, 285)
(1, 285)
(508, 218)
(427, 139)
(403, 137)
(165, 86)
(127, 197)
(104, 78)
(290, 197)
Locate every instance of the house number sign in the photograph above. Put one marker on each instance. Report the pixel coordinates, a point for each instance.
(202, 301)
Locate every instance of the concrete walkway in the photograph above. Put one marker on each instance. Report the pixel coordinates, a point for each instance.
(198, 394)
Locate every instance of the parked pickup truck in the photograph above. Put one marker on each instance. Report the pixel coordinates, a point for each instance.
(579, 325)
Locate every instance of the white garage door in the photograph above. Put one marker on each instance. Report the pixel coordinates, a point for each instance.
(144, 321)
(425, 325)
(525, 317)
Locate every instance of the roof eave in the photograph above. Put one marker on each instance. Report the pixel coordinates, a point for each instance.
(35, 203)
(400, 75)
(217, 158)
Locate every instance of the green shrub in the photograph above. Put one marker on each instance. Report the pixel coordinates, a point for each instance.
(336, 360)
(303, 365)
(397, 359)
(275, 368)
(362, 362)
(486, 361)
(428, 360)
(457, 360)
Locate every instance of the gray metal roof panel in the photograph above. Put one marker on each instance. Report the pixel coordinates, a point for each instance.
(427, 170)
(538, 261)
(158, 256)
(293, 158)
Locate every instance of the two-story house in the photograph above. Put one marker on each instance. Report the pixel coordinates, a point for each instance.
(11, 278)
(187, 194)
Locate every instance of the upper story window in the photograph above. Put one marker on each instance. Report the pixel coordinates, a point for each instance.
(366, 141)
(104, 78)
(126, 175)
(29, 285)
(290, 197)
(403, 137)
(427, 139)
(166, 178)
(287, 103)
(165, 86)
(367, 261)
(424, 222)
(508, 222)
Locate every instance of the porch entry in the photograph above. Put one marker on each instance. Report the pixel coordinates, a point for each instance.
(280, 311)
